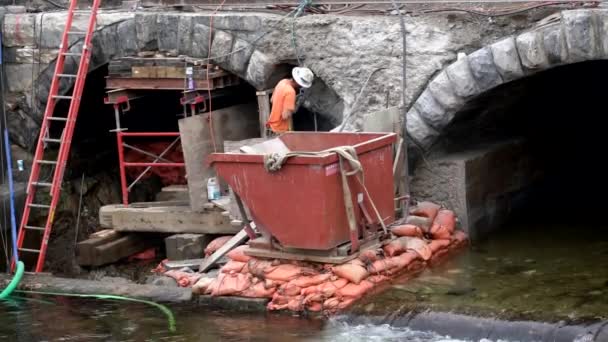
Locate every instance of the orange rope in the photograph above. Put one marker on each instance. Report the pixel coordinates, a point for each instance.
(211, 131)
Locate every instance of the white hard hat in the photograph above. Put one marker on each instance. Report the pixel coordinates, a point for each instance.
(303, 76)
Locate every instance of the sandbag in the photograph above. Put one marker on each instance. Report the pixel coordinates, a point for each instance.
(395, 247)
(368, 256)
(314, 297)
(353, 271)
(419, 246)
(230, 284)
(290, 289)
(331, 304)
(403, 260)
(284, 272)
(184, 279)
(327, 288)
(376, 279)
(238, 254)
(380, 266)
(314, 306)
(425, 209)
(437, 245)
(346, 303)
(201, 285)
(258, 268)
(424, 223)
(296, 304)
(306, 281)
(443, 225)
(216, 243)
(355, 290)
(407, 230)
(233, 266)
(459, 237)
(258, 290)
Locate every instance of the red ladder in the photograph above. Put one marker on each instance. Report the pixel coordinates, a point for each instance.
(67, 124)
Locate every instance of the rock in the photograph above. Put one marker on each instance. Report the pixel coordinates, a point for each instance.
(161, 281)
(506, 59)
(431, 111)
(184, 35)
(221, 46)
(146, 31)
(200, 41)
(240, 58)
(580, 35)
(531, 50)
(167, 32)
(186, 246)
(444, 93)
(483, 69)
(127, 45)
(419, 131)
(555, 45)
(108, 42)
(109, 18)
(460, 74)
(259, 69)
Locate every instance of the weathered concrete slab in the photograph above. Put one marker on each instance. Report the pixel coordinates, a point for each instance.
(235, 303)
(172, 220)
(82, 286)
(176, 192)
(197, 144)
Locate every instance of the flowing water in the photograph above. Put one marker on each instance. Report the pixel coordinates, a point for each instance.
(545, 273)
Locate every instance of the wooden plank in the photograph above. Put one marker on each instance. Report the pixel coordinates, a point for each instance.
(179, 264)
(263, 110)
(171, 220)
(85, 250)
(234, 242)
(119, 249)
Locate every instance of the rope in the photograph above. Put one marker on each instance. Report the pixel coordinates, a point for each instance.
(274, 161)
(162, 308)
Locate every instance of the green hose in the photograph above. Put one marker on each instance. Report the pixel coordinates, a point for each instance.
(14, 282)
(162, 308)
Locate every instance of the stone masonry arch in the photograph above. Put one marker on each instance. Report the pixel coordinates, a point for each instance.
(187, 35)
(565, 38)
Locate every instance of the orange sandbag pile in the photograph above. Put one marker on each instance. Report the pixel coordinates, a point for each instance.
(305, 286)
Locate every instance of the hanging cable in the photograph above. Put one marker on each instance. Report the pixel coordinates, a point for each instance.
(303, 4)
(211, 130)
(5, 225)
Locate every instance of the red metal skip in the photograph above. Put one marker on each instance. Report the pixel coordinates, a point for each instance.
(302, 205)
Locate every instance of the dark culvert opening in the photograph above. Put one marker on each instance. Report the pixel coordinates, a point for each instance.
(560, 116)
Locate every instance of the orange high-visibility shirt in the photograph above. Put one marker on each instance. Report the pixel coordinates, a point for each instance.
(283, 98)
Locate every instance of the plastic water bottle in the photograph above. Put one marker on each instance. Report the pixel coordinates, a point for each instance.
(213, 189)
(189, 74)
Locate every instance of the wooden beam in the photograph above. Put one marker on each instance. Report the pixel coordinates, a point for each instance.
(263, 109)
(234, 242)
(171, 220)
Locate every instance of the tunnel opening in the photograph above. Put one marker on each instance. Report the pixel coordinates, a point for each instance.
(557, 120)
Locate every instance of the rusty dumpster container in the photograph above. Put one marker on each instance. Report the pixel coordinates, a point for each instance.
(302, 205)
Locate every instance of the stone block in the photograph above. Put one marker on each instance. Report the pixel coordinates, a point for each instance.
(259, 70)
(19, 29)
(146, 31)
(200, 41)
(387, 120)
(109, 18)
(431, 111)
(28, 55)
(19, 77)
(461, 76)
(184, 35)
(53, 25)
(531, 51)
(506, 59)
(581, 36)
(444, 93)
(167, 31)
(602, 31)
(221, 46)
(127, 44)
(418, 130)
(484, 70)
(239, 60)
(555, 45)
(186, 246)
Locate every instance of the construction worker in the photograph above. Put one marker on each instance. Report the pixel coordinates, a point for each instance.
(284, 100)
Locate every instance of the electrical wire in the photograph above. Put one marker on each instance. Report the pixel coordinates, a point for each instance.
(5, 225)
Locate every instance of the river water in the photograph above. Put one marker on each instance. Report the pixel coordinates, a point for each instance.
(534, 272)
